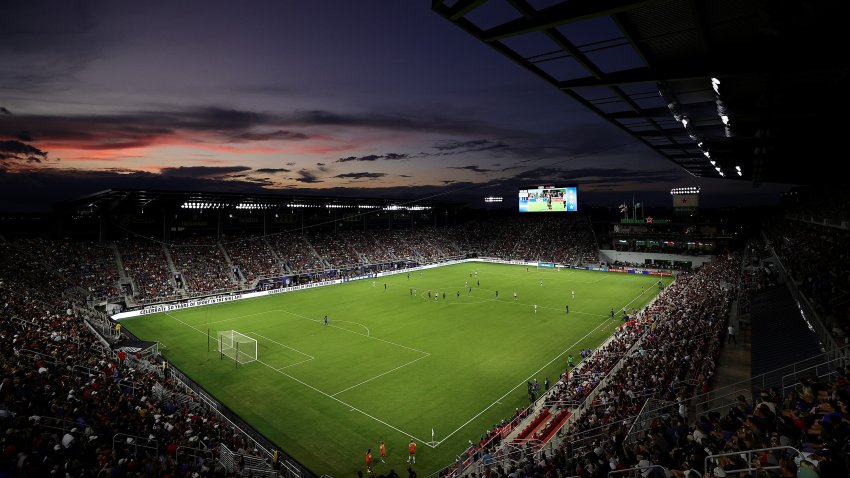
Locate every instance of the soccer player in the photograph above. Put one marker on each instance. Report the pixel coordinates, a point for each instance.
(612, 312)
(411, 452)
(326, 320)
(574, 294)
(570, 361)
(369, 461)
(535, 308)
(541, 283)
(385, 286)
(373, 284)
(514, 295)
(444, 296)
(568, 308)
(383, 450)
(458, 294)
(497, 294)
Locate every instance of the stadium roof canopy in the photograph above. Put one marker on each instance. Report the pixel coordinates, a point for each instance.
(710, 85)
(138, 200)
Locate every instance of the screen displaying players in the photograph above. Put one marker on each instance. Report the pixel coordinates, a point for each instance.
(549, 199)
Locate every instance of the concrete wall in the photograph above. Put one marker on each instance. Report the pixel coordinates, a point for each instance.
(608, 255)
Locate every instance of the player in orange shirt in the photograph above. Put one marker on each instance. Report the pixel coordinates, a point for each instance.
(369, 460)
(383, 450)
(411, 448)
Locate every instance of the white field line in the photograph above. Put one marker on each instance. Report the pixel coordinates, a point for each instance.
(282, 345)
(498, 400)
(636, 298)
(368, 332)
(380, 375)
(294, 364)
(317, 390)
(343, 403)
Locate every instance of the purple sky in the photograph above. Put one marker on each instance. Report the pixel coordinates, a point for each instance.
(385, 98)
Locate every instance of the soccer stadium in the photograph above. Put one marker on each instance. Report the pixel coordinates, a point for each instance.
(209, 319)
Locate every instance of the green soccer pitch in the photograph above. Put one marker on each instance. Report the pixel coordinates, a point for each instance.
(391, 366)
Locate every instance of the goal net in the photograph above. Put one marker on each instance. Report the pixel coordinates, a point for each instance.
(237, 346)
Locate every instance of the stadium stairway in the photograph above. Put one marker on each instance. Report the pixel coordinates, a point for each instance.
(780, 336)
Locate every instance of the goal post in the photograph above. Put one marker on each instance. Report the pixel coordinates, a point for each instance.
(238, 346)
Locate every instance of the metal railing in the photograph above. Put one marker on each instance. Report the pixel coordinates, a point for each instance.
(135, 443)
(747, 456)
(634, 472)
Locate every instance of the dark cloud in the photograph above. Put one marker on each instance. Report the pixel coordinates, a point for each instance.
(370, 157)
(472, 167)
(144, 128)
(448, 181)
(268, 136)
(203, 171)
(361, 175)
(14, 150)
(272, 170)
(375, 157)
(5, 111)
(395, 122)
(456, 147)
(290, 164)
(396, 156)
(309, 177)
(322, 167)
(405, 176)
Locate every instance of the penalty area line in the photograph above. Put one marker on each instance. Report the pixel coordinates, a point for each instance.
(380, 375)
(353, 408)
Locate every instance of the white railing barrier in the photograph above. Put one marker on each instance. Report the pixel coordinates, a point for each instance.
(747, 456)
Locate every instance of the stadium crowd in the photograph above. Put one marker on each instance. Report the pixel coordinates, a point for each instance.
(669, 352)
(297, 254)
(203, 266)
(336, 249)
(85, 264)
(64, 397)
(253, 257)
(146, 264)
(816, 258)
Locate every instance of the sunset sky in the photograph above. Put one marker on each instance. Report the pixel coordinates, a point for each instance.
(359, 99)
